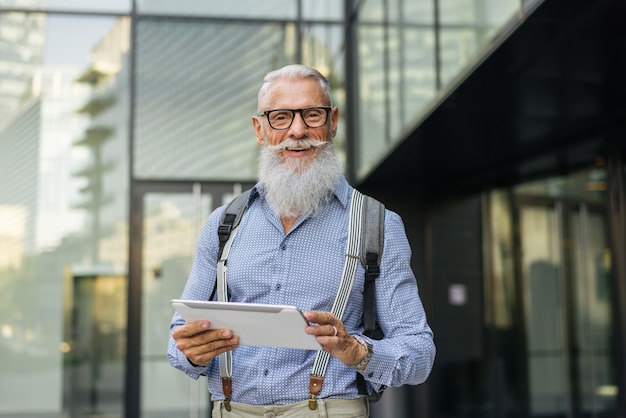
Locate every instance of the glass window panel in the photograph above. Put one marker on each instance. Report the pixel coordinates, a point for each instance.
(323, 48)
(395, 76)
(397, 73)
(121, 6)
(405, 11)
(171, 226)
(546, 338)
(63, 211)
(477, 12)
(373, 129)
(371, 11)
(588, 185)
(270, 9)
(419, 78)
(502, 302)
(416, 11)
(457, 50)
(466, 26)
(322, 9)
(592, 317)
(392, 93)
(197, 86)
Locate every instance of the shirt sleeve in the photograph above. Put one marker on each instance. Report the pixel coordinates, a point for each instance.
(199, 286)
(406, 353)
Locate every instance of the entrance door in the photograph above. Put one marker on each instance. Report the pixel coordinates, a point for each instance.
(172, 216)
(565, 264)
(95, 337)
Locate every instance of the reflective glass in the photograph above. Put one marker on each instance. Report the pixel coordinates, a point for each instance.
(197, 86)
(397, 81)
(396, 73)
(322, 9)
(121, 6)
(592, 317)
(478, 14)
(397, 11)
(566, 265)
(415, 11)
(371, 10)
(397, 61)
(372, 107)
(466, 26)
(418, 87)
(171, 226)
(63, 214)
(270, 9)
(411, 77)
(457, 49)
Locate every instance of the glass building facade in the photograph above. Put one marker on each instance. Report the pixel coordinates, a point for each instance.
(123, 123)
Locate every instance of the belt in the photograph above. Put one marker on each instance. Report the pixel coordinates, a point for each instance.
(326, 408)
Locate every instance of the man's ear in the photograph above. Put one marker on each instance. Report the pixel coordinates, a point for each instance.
(258, 129)
(334, 118)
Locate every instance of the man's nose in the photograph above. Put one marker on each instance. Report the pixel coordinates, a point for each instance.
(298, 125)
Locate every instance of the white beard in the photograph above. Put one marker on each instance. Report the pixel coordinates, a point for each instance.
(292, 189)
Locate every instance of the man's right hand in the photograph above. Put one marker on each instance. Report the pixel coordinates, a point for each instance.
(200, 344)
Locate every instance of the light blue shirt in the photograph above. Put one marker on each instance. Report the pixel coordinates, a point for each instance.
(303, 268)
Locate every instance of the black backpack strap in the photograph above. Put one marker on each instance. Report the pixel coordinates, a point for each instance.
(370, 254)
(228, 221)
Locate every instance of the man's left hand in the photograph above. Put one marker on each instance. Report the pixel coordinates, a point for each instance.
(331, 333)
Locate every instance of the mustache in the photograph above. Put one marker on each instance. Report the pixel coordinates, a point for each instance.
(300, 144)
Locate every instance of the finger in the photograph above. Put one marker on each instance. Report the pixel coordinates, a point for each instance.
(211, 347)
(204, 338)
(321, 317)
(190, 329)
(203, 355)
(321, 330)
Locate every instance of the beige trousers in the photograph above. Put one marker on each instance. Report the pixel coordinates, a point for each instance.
(331, 408)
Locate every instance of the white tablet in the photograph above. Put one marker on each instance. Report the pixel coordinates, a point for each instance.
(255, 324)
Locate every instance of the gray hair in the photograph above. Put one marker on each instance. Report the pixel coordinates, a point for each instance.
(294, 72)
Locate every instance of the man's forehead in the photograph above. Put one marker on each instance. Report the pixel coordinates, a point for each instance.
(294, 90)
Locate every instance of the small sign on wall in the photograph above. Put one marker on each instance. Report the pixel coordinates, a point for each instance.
(457, 294)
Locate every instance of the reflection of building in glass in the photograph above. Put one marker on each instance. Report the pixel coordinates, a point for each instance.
(12, 228)
(22, 41)
(196, 92)
(38, 139)
(104, 140)
(36, 161)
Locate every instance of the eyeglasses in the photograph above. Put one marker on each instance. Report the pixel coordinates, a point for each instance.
(313, 117)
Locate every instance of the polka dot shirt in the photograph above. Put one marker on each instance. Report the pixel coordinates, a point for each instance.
(304, 268)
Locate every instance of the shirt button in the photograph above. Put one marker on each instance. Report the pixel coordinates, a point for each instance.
(266, 372)
(283, 247)
(277, 286)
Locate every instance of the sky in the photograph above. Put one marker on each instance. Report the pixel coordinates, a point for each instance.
(69, 39)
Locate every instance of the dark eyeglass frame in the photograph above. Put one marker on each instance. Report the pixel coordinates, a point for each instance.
(266, 113)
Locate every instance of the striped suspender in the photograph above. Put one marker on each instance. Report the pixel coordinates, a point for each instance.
(226, 359)
(339, 306)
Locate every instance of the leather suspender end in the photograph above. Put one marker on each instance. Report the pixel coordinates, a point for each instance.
(227, 388)
(315, 387)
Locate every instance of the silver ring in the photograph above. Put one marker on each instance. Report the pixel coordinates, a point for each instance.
(335, 328)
